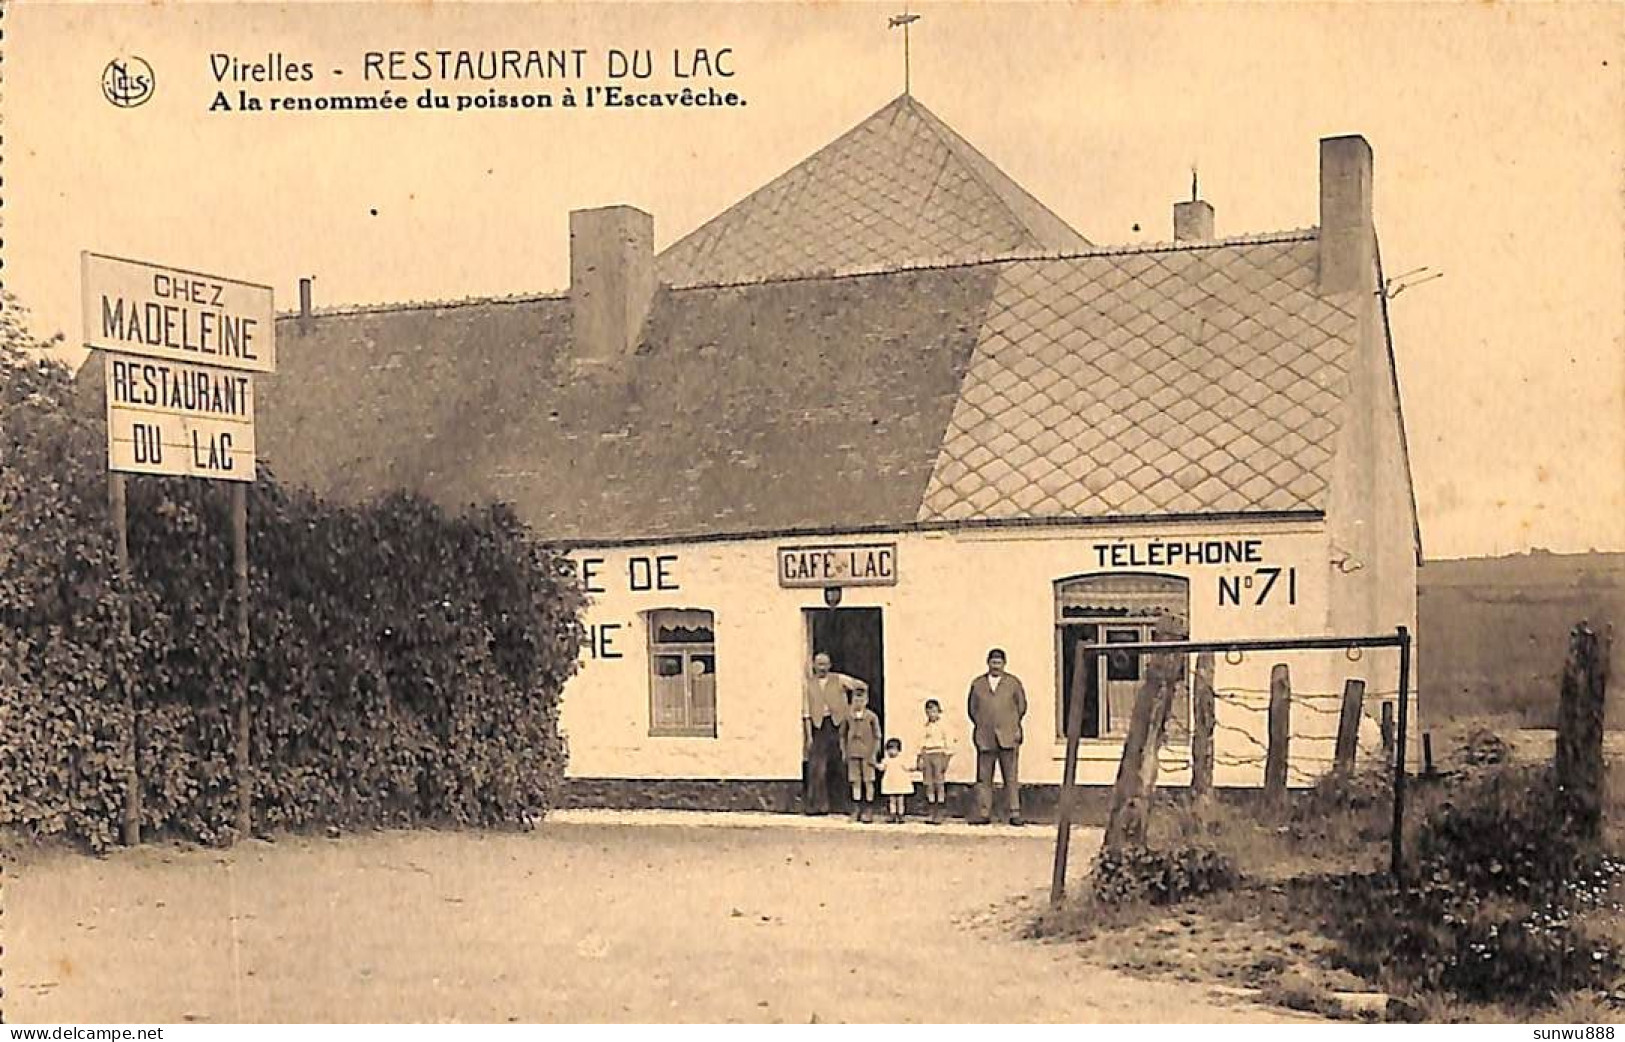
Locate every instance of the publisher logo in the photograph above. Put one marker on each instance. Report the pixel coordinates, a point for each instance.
(128, 82)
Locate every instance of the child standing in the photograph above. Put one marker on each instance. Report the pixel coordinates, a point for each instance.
(897, 783)
(860, 745)
(936, 746)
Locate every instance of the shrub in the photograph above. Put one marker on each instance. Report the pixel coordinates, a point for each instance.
(1140, 874)
(64, 728)
(1503, 833)
(405, 665)
(1444, 937)
(1495, 907)
(1481, 747)
(1368, 788)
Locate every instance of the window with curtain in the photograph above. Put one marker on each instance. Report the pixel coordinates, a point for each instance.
(682, 673)
(1115, 608)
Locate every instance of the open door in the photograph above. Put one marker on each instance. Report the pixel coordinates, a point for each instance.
(855, 643)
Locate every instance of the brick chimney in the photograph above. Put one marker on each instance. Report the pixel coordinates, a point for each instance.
(1347, 228)
(612, 280)
(1193, 221)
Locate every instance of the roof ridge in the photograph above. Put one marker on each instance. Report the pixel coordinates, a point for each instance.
(1015, 256)
(939, 264)
(338, 310)
(776, 178)
(977, 163)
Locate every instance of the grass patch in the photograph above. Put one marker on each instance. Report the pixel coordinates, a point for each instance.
(1504, 916)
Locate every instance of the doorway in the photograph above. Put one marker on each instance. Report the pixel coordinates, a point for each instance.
(854, 640)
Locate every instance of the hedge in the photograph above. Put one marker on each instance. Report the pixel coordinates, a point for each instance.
(405, 664)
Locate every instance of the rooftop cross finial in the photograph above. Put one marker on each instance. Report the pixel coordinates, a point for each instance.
(903, 21)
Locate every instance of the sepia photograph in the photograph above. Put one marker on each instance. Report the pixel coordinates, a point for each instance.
(926, 512)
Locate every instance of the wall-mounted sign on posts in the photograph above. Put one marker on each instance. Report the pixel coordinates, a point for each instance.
(866, 564)
(179, 419)
(179, 352)
(137, 308)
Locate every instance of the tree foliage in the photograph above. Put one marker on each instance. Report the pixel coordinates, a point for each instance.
(405, 665)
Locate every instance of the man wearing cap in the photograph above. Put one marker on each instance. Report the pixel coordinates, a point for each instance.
(996, 706)
(824, 708)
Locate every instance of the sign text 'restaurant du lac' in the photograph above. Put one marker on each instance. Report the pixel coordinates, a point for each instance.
(160, 312)
(185, 420)
(866, 564)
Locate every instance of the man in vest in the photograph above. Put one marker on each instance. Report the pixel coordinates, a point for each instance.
(996, 705)
(824, 708)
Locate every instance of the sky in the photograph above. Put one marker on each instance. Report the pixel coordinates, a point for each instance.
(1498, 131)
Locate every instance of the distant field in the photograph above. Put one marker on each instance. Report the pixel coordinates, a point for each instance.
(1492, 633)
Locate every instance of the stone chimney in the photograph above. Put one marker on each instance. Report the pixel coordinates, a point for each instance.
(612, 281)
(1347, 228)
(1193, 221)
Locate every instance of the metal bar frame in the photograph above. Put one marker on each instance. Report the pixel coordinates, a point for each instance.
(1396, 838)
(1400, 639)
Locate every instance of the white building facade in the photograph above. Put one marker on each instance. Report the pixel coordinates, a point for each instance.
(919, 625)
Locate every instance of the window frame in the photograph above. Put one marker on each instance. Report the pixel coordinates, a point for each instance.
(1103, 621)
(688, 652)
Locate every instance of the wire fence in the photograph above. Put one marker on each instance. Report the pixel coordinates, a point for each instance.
(1304, 767)
(1238, 727)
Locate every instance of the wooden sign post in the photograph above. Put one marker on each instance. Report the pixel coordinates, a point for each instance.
(179, 352)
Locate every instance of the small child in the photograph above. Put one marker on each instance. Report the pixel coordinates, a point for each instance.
(897, 783)
(936, 746)
(860, 745)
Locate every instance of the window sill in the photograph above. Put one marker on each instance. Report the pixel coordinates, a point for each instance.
(683, 734)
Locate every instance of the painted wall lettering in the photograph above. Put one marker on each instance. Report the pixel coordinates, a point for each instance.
(601, 640)
(1259, 587)
(589, 574)
(651, 573)
(1175, 552)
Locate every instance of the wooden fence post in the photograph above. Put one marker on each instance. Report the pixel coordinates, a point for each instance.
(1202, 721)
(1125, 826)
(1137, 770)
(1348, 726)
(1579, 762)
(1280, 731)
(240, 710)
(118, 507)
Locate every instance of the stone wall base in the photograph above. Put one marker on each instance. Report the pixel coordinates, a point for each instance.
(1038, 802)
(784, 797)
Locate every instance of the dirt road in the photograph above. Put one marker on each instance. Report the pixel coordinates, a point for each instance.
(578, 921)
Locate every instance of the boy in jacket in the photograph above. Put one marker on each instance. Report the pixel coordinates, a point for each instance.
(861, 747)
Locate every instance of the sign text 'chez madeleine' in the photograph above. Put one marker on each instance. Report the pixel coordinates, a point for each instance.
(864, 564)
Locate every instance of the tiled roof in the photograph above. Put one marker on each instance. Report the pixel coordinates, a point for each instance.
(1183, 380)
(984, 365)
(897, 188)
(1175, 381)
(806, 404)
